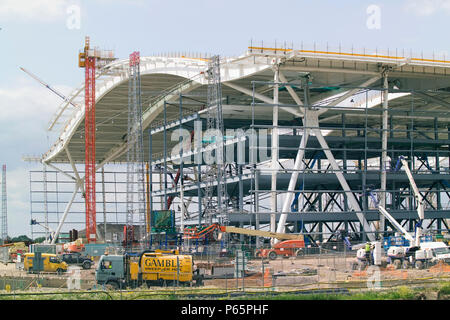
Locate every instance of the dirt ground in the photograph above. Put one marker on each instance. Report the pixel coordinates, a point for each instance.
(324, 271)
(300, 272)
(10, 270)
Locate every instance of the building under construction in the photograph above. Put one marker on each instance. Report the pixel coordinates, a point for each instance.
(282, 139)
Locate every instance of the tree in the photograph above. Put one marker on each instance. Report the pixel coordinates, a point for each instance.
(22, 238)
(39, 240)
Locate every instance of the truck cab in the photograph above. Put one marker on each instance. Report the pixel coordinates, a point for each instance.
(434, 251)
(150, 267)
(111, 270)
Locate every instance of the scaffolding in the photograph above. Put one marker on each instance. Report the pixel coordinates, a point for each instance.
(111, 192)
(135, 156)
(319, 207)
(216, 206)
(306, 147)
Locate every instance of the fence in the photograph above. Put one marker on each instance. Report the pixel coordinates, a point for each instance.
(315, 268)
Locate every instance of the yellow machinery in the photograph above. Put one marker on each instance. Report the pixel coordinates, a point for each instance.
(150, 267)
(14, 249)
(192, 233)
(259, 233)
(52, 263)
(168, 267)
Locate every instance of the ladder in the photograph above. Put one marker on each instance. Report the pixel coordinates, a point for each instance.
(215, 210)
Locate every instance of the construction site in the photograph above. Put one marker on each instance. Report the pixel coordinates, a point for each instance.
(288, 168)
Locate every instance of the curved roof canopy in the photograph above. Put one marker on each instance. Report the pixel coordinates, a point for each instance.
(334, 77)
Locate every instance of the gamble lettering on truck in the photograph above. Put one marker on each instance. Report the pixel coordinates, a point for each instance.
(151, 267)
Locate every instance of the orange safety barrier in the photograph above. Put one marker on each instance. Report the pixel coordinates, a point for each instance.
(267, 278)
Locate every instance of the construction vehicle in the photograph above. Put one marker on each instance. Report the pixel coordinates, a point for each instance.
(425, 255)
(76, 258)
(431, 253)
(418, 254)
(150, 267)
(290, 248)
(285, 249)
(194, 233)
(259, 233)
(51, 263)
(74, 246)
(14, 249)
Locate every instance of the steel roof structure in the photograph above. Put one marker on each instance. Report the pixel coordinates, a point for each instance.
(366, 105)
(164, 78)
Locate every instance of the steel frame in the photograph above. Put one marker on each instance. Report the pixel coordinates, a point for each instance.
(331, 201)
(366, 134)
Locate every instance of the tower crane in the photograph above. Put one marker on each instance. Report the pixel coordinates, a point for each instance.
(90, 60)
(59, 94)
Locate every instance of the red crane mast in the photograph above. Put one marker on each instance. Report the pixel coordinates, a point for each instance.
(90, 59)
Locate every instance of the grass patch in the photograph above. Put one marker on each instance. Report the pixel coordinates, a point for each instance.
(441, 290)
(445, 289)
(400, 293)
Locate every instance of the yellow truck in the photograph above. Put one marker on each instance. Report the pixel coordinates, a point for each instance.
(150, 267)
(52, 263)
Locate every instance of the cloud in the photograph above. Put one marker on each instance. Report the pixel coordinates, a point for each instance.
(18, 204)
(33, 10)
(25, 110)
(28, 103)
(427, 7)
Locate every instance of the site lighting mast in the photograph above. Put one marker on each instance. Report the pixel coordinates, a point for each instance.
(135, 157)
(4, 217)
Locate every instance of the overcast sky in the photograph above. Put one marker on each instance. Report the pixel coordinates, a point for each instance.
(45, 36)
